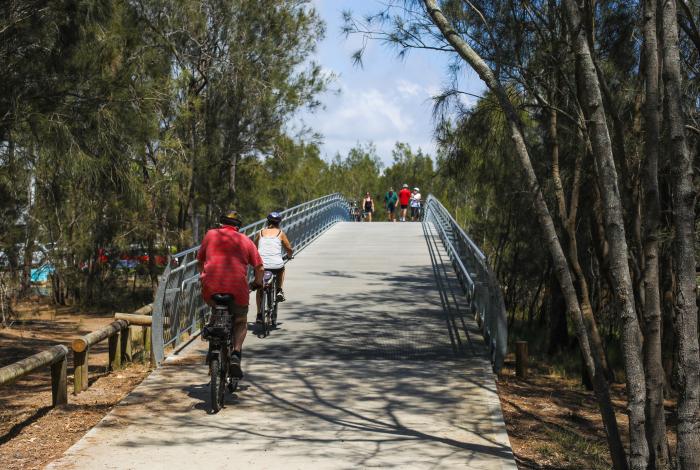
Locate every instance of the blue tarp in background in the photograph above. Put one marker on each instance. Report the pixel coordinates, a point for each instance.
(41, 274)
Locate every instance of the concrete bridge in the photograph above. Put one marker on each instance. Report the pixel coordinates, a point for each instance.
(377, 361)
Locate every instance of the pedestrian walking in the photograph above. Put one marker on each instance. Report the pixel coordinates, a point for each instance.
(390, 200)
(368, 206)
(404, 198)
(415, 204)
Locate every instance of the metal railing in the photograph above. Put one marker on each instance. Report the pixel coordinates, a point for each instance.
(478, 282)
(178, 308)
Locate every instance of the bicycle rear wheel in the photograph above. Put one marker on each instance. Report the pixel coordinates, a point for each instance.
(268, 310)
(216, 384)
(273, 310)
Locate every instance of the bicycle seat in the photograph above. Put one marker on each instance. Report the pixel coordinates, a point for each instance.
(222, 299)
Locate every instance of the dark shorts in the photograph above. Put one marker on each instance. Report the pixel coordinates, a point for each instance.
(391, 208)
(276, 271)
(404, 206)
(415, 211)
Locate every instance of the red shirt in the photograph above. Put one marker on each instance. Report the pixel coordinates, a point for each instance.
(226, 254)
(404, 196)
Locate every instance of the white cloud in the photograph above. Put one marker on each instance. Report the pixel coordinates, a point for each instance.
(380, 116)
(370, 111)
(409, 88)
(384, 101)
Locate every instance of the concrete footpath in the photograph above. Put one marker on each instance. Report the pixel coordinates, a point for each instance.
(362, 372)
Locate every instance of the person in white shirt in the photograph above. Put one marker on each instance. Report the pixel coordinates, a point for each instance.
(270, 241)
(415, 204)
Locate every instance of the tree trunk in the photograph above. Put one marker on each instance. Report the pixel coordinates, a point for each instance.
(668, 329)
(28, 242)
(656, 423)
(568, 220)
(561, 268)
(592, 103)
(232, 178)
(683, 197)
(27, 261)
(558, 331)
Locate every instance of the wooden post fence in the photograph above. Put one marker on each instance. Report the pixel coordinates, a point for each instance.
(521, 359)
(81, 351)
(56, 357)
(119, 334)
(144, 321)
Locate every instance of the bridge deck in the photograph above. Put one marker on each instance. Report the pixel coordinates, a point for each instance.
(365, 370)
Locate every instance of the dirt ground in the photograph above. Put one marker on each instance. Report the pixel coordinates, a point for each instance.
(32, 434)
(553, 422)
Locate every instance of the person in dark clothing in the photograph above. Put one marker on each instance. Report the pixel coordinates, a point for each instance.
(368, 206)
(390, 200)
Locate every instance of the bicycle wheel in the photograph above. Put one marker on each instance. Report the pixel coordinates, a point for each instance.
(216, 385)
(260, 327)
(268, 310)
(275, 303)
(225, 368)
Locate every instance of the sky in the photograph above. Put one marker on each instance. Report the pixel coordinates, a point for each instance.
(386, 100)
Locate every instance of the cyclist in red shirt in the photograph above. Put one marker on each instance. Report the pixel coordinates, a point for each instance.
(404, 197)
(223, 261)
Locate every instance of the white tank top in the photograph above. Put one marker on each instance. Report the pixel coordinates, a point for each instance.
(270, 249)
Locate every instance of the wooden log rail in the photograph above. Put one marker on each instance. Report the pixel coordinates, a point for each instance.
(119, 334)
(56, 357)
(81, 351)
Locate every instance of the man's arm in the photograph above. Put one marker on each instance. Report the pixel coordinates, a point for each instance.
(202, 254)
(259, 272)
(256, 262)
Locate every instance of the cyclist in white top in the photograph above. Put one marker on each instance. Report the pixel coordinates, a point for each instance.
(270, 242)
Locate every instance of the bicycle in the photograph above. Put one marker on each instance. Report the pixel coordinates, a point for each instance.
(218, 330)
(269, 304)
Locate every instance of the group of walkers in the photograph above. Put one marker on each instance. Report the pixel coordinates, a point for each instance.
(404, 199)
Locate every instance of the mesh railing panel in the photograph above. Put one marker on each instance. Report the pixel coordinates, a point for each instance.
(478, 282)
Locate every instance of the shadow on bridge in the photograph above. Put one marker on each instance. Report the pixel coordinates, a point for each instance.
(375, 403)
(360, 376)
(396, 316)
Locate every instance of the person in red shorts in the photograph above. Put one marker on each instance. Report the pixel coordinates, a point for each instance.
(404, 197)
(223, 261)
